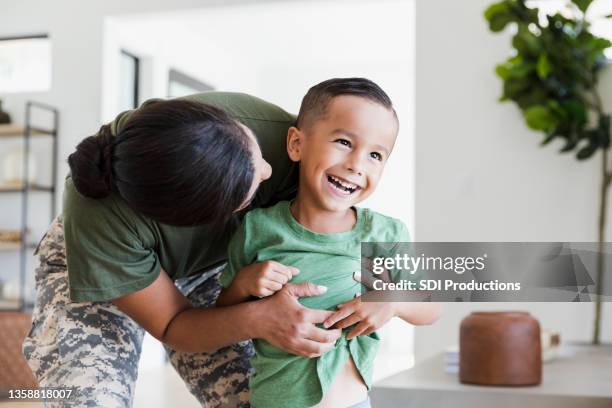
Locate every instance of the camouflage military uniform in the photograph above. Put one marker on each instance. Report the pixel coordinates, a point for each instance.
(94, 347)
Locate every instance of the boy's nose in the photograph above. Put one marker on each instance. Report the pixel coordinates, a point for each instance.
(353, 170)
(354, 165)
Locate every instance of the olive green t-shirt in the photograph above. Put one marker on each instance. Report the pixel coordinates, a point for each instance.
(112, 250)
(286, 380)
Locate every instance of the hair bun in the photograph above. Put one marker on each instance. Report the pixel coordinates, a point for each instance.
(91, 165)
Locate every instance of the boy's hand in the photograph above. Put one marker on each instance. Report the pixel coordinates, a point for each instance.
(369, 316)
(264, 278)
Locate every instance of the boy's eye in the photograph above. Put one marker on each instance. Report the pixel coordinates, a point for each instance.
(343, 142)
(376, 156)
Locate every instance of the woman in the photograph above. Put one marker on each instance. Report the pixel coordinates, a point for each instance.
(149, 207)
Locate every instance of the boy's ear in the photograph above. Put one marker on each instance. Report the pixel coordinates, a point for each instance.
(294, 143)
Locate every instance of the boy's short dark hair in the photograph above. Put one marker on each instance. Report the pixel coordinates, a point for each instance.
(314, 103)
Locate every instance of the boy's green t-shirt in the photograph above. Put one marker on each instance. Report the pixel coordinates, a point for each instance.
(113, 250)
(282, 379)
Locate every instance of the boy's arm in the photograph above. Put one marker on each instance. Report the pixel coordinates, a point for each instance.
(259, 279)
(232, 295)
(418, 313)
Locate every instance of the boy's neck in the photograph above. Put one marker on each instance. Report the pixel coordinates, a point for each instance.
(322, 221)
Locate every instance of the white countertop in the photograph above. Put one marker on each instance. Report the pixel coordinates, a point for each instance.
(580, 377)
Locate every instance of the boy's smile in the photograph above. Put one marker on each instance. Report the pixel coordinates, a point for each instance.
(342, 187)
(342, 153)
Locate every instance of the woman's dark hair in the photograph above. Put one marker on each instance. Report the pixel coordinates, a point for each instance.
(178, 162)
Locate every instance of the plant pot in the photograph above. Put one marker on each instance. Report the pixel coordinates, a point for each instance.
(500, 348)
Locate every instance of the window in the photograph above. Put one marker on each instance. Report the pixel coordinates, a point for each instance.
(25, 64)
(180, 84)
(129, 76)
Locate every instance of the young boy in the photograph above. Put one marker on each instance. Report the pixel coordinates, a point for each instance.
(346, 129)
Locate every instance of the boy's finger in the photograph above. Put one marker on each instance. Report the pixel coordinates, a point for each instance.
(337, 316)
(273, 286)
(284, 269)
(368, 332)
(288, 271)
(278, 277)
(265, 292)
(358, 330)
(350, 303)
(348, 321)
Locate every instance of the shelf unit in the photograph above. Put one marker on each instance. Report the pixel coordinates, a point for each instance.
(28, 133)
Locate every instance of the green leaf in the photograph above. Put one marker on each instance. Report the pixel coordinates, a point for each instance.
(515, 70)
(498, 15)
(515, 87)
(586, 151)
(534, 95)
(540, 118)
(547, 139)
(570, 144)
(594, 49)
(526, 43)
(576, 110)
(583, 5)
(502, 71)
(543, 66)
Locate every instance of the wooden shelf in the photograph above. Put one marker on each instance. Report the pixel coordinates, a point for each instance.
(19, 189)
(14, 130)
(6, 305)
(14, 246)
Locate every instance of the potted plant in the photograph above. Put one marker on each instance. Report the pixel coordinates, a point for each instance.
(552, 77)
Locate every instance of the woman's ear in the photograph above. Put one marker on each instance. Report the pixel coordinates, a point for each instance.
(294, 143)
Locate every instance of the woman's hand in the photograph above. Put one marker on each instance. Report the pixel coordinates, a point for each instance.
(282, 321)
(263, 279)
(369, 316)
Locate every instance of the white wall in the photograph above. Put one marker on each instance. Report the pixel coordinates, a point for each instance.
(480, 173)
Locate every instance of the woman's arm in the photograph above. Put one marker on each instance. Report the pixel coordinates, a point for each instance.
(168, 316)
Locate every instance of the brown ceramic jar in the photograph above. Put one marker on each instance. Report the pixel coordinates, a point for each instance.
(500, 348)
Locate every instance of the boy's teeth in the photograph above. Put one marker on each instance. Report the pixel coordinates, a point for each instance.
(341, 189)
(344, 183)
